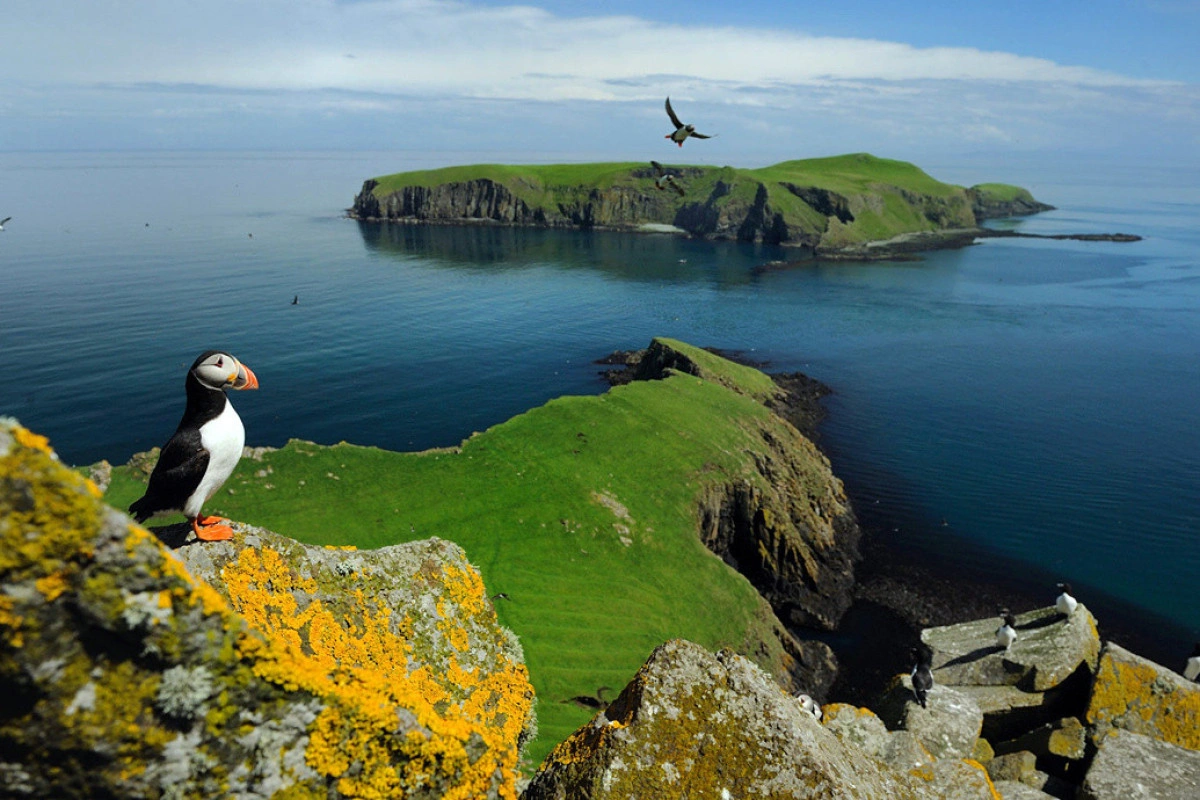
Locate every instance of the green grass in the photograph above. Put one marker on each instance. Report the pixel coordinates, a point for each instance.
(1002, 192)
(540, 503)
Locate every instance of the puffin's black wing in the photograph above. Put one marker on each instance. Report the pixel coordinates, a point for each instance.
(658, 168)
(176, 475)
(671, 114)
(700, 135)
(6, 219)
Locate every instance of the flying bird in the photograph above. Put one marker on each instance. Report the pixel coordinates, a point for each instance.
(663, 179)
(1065, 603)
(922, 674)
(1006, 634)
(2, 221)
(681, 131)
(201, 454)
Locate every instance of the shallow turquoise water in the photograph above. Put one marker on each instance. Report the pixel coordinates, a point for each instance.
(1038, 397)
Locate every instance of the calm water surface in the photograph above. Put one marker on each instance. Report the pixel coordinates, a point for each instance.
(1021, 399)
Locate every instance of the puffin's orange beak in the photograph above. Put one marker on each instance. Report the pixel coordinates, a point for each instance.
(245, 379)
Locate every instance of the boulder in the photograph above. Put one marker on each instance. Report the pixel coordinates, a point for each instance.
(1048, 650)
(1020, 767)
(126, 676)
(1131, 766)
(1009, 712)
(958, 779)
(948, 727)
(1135, 694)
(861, 729)
(696, 724)
(1014, 790)
(1064, 738)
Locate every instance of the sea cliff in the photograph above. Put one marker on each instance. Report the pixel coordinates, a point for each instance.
(822, 206)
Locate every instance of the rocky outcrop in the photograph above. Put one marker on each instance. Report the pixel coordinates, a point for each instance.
(993, 201)
(291, 675)
(793, 535)
(697, 724)
(1135, 694)
(1131, 766)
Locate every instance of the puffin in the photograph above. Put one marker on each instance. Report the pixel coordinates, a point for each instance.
(1192, 670)
(681, 131)
(663, 179)
(922, 674)
(201, 454)
(809, 705)
(1006, 634)
(1065, 603)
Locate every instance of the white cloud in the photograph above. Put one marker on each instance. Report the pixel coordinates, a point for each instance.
(423, 47)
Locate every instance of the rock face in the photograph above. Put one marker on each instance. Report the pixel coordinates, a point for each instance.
(1135, 694)
(1130, 766)
(295, 678)
(796, 539)
(695, 724)
(989, 201)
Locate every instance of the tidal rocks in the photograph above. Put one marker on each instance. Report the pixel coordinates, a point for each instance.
(128, 677)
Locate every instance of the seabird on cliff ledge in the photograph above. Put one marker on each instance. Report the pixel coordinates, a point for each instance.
(201, 454)
(1006, 634)
(1192, 670)
(1065, 603)
(922, 674)
(808, 704)
(681, 131)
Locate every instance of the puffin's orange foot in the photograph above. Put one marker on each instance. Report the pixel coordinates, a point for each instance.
(207, 529)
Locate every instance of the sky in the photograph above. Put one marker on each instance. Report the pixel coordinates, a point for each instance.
(1113, 79)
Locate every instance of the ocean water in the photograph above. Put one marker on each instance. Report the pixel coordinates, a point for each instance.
(1019, 403)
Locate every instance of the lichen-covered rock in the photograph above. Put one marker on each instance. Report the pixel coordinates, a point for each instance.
(1014, 790)
(857, 727)
(961, 780)
(1130, 766)
(1009, 712)
(127, 677)
(1135, 694)
(1064, 738)
(1048, 650)
(695, 724)
(1020, 766)
(948, 726)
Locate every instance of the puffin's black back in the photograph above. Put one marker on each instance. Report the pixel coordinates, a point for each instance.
(183, 460)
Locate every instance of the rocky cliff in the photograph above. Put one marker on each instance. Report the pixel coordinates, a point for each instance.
(818, 205)
(254, 669)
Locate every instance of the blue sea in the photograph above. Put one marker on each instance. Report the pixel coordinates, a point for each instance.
(1020, 407)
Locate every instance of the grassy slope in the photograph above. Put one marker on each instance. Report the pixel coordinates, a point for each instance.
(525, 500)
(1002, 192)
(857, 174)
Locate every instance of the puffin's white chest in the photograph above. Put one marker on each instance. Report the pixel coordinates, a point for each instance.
(223, 437)
(1192, 670)
(1066, 604)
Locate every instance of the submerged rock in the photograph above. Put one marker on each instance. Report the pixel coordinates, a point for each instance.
(126, 676)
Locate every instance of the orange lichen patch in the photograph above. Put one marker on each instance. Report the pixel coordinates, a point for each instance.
(1130, 693)
(10, 622)
(52, 585)
(970, 762)
(354, 656)
(31, 440)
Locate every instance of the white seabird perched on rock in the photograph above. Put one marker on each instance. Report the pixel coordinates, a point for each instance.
(1192, 670)
(922, 674)
(809, 705)
(1065, 603)
(681, 131)
(1006, 634)
(663, 179)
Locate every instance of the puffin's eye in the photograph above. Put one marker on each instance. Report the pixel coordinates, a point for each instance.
(220, 363)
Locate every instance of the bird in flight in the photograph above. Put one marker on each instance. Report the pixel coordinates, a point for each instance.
(681, 131)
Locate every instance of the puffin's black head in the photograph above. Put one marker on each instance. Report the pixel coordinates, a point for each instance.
(1065, 588)
(1196, 650)
(218, 371)
(1010, 620)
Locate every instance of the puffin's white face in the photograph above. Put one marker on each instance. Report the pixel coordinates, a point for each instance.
(222, 371)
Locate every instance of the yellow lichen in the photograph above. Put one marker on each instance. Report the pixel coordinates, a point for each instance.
(31, 440)
(1130, 694)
